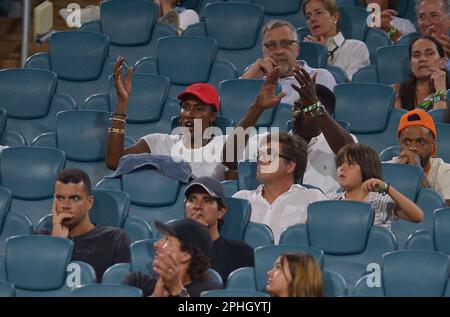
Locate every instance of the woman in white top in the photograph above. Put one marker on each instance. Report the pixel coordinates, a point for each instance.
(171, 12)
(199, 105)
(322, 17)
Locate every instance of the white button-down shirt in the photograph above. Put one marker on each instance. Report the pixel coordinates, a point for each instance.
(348, 54)
(288, 209)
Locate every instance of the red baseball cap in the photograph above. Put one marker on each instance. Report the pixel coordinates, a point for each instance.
(205, 92)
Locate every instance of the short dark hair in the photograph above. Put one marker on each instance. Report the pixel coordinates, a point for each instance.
(366, 157)
(295, 149)
(200, 262)
(75, 176)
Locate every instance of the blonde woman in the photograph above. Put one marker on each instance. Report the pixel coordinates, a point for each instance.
(322, 19)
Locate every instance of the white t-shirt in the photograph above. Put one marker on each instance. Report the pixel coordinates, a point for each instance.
(204, 161)
(187, 17)
(439, 176)
(348, 54)
(287, 210)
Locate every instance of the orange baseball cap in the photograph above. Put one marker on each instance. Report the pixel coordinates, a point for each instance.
(417, 117)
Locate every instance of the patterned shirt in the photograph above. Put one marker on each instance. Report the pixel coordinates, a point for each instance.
(383, 205)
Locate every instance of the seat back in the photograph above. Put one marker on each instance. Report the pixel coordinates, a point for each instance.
(315, 54)
(339, 227)
(365, 106)
(247, 175)
(443, 141)
(236, 27)
(442, 230)
(236, 218)
(236, 97)
(69, 50)
(393, 65)
(415, 273)
(258, 234)
(407, 179)
(31, 181)
(233, 293)
(353, 22)
(289, 10)
(106, 290)
(163, 200)
(31, 102)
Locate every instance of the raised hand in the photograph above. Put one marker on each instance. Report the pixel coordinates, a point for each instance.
(372, 185)
(167, 267)
(310, 38)
(409, 157)
(306, 89)
(267, 98)
(260, 68)
(59, 230)
(123, 87)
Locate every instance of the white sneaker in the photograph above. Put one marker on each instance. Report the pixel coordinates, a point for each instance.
(90, 13)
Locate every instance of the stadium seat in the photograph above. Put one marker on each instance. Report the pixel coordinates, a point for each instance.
(233, 293)
(374, 39)
(258, 234)
(30, 174)
(110, 209)
(406, 39)
(408, 180)
(345, 232)
(443, 141)
(406, 9)
(247, 175)
(236, 28)
(31, 102)
(388, 153)
(289, 10)
(41, 266)
(393, 65)
(315, 54)
(80, 61)
(438, 114)
(148, 110)
(196, 56)
(338, 73)
(11, 223)
(230, 187)
(437, 238)
(84, 149)
(7, 290)
(366, 74)
(236, 218)
(132, 28)
(369, 110)
(409, 273)
(255, 279)
(162, 201)
(105, 290)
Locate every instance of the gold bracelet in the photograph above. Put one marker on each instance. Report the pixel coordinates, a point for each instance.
(117, 119)
(115, 130)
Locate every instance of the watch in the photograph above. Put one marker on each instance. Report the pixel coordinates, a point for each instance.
(183, 293)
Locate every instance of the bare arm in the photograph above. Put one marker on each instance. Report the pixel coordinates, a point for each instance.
(405, 208)
(266, 99)
(116, 135)
(336, 136)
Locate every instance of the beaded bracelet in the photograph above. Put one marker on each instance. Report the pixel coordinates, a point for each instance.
(117, 119)
(123, 115)
(115, 130)
(308, 109)
(431, 100)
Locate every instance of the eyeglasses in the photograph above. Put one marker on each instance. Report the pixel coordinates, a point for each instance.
(270, 155)
(272, 45)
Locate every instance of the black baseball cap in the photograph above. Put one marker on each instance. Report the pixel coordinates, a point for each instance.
(189, 231)
(210, 185)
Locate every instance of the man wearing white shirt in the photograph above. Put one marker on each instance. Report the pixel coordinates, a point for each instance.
(280, 49)
(279, 202)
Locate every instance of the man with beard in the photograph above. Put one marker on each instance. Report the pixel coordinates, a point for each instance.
(98, 246)
(417, 138)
